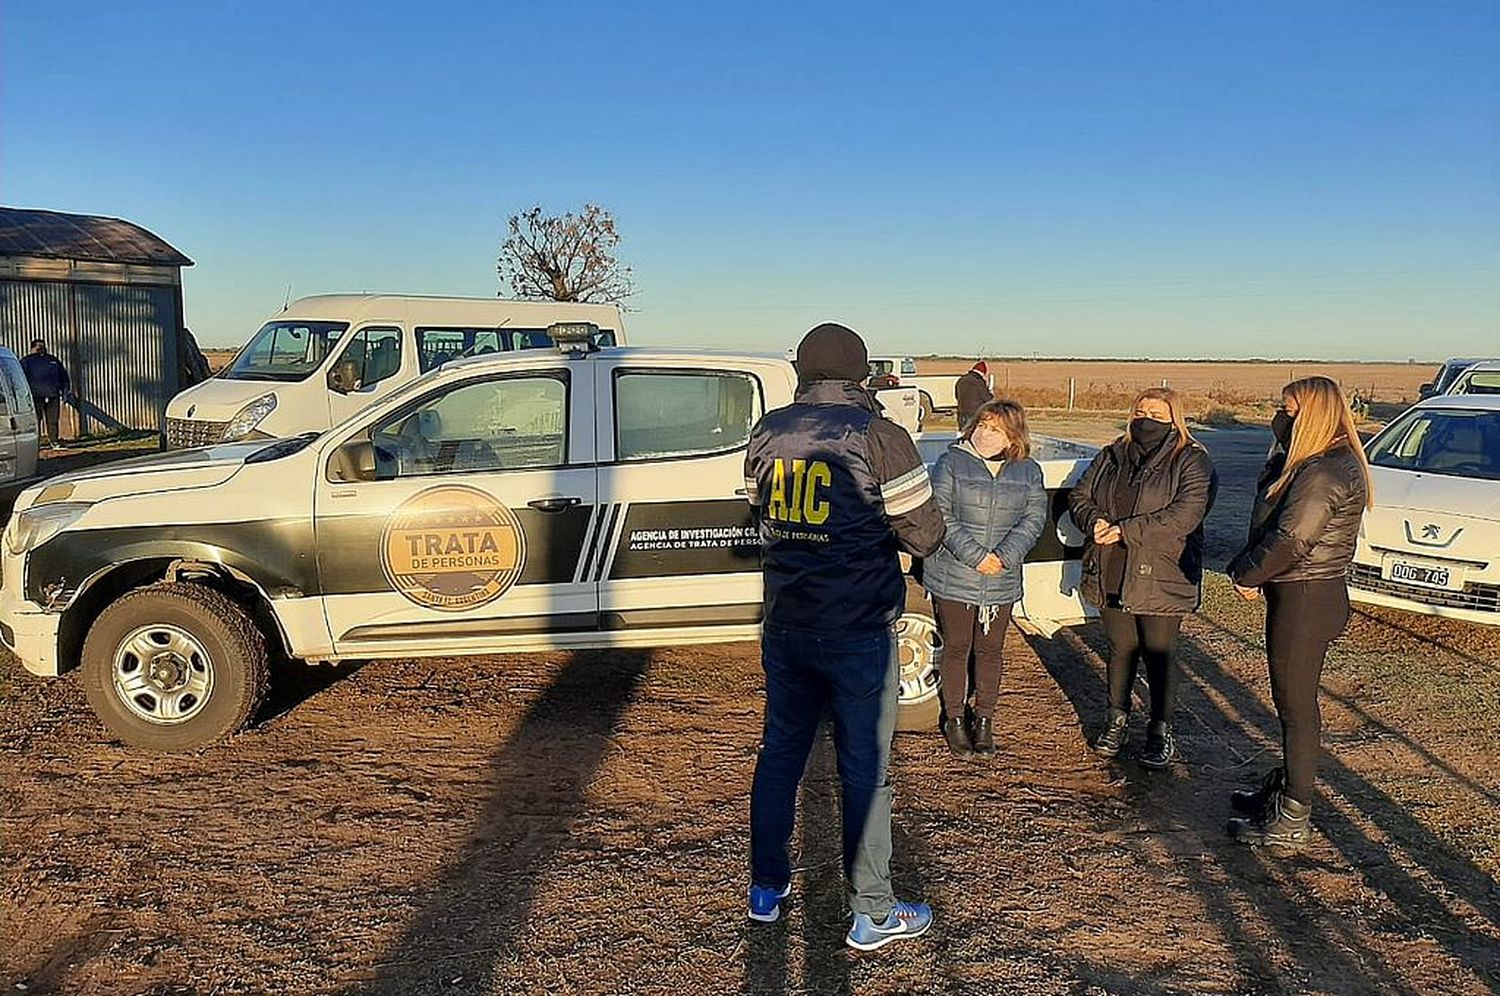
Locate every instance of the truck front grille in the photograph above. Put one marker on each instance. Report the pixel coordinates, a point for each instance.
(1475, 597)
(183, 433)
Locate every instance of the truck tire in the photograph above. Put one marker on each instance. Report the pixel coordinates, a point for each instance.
(918, 647)
(174, 666)
(925, 409)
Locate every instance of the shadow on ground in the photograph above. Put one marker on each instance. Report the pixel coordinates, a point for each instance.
(1229, 737)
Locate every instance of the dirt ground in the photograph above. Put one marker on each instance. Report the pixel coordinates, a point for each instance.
(575, 823)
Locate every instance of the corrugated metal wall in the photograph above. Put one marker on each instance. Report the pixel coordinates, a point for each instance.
(118, 342)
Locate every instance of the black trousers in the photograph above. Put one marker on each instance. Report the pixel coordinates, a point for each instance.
(964, 636)
(1133, 639)
(1302, 619)
(47, 411)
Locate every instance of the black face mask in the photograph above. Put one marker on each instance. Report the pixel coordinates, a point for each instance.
(1148, 433)
(1281, 428)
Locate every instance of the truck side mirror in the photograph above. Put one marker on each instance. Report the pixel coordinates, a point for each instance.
(343, 378)
(353, 461)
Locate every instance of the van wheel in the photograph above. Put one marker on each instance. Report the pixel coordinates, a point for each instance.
(174, 666)
(918, 647)
(924, 408)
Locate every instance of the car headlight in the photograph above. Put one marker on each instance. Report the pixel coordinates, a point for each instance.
(40, 523)
(249, 417)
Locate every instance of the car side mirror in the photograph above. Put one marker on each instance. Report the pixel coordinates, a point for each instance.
(343, 378)
(1427, 390)
(353, 461)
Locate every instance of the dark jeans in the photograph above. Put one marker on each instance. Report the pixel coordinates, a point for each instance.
(963, 637)
(1302, 619)
(856, 679)
(47, 411)
(1134, 638)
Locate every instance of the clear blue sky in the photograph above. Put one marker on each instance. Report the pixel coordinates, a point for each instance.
(1103, 178)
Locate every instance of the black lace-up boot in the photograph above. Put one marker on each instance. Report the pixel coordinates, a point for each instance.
(1115, 735)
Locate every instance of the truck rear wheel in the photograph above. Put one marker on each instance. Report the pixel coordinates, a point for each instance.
(925, 409)
(918, 647)
(174, 666)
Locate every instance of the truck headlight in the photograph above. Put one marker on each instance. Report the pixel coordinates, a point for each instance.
(40, 523)
(249, 417)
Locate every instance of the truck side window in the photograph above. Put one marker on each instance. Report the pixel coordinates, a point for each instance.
(661, 413)
(372, 355)
(513, 423)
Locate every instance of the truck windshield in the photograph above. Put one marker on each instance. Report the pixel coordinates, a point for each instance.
(285, 351)
(1457, 442)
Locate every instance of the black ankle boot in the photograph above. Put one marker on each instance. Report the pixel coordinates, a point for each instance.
(958, 739)
(1284, 829)
(1160, 749)
(984, 735)
(1253, 802)
(1115, 735)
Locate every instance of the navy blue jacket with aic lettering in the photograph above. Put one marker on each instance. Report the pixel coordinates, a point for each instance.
(838, 491)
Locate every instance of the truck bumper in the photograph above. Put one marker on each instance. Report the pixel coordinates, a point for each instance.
(29, 633)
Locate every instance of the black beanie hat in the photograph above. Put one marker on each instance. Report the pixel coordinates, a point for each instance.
(832, 352)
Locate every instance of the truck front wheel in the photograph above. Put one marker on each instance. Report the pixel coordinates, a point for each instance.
(917, 648)
(174, 666)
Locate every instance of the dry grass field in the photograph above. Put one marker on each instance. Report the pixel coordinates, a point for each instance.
(1212, 388)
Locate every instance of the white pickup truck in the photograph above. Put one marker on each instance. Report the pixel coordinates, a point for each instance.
(935, 392)
(521, 501)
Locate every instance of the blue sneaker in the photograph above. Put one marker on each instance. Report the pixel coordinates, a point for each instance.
(904, 920)
(765, 902)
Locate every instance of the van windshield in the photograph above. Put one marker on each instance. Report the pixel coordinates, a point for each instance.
(285, 351)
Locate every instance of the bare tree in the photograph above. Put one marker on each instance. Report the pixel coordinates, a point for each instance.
(564, 257)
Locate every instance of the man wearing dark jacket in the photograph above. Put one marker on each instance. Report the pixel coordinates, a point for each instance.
(49, 383)
(838, 491)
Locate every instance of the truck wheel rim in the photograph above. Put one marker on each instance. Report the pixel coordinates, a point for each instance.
(163, 674)
(917, 648)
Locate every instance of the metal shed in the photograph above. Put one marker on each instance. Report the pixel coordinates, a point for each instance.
(106, 296)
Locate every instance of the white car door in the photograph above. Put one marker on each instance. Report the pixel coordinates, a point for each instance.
(471, 535)
(680, 548)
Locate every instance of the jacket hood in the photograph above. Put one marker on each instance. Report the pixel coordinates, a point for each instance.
(832, 352)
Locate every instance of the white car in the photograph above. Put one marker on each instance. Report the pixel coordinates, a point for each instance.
(1431, 544)
(1478, 378)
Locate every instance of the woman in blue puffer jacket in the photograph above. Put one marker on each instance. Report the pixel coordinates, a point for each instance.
(995, 507)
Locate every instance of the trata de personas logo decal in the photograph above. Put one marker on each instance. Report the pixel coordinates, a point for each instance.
(453, 548)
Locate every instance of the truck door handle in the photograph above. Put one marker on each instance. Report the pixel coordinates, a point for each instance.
(554, 504)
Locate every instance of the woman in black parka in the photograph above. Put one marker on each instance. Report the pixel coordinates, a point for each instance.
(1310, 501)
(1141, 506)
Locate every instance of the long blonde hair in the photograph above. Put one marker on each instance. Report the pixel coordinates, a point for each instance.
(1323, 421)
(1012, 418)
(1173, 401)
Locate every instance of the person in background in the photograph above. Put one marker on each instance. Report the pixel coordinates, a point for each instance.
(1310, 501)
(49, 383)
(1141, 505)
(994, 506)
(838, 492)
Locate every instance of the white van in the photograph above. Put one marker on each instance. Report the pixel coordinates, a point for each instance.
(18, 423)
(323, 358)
